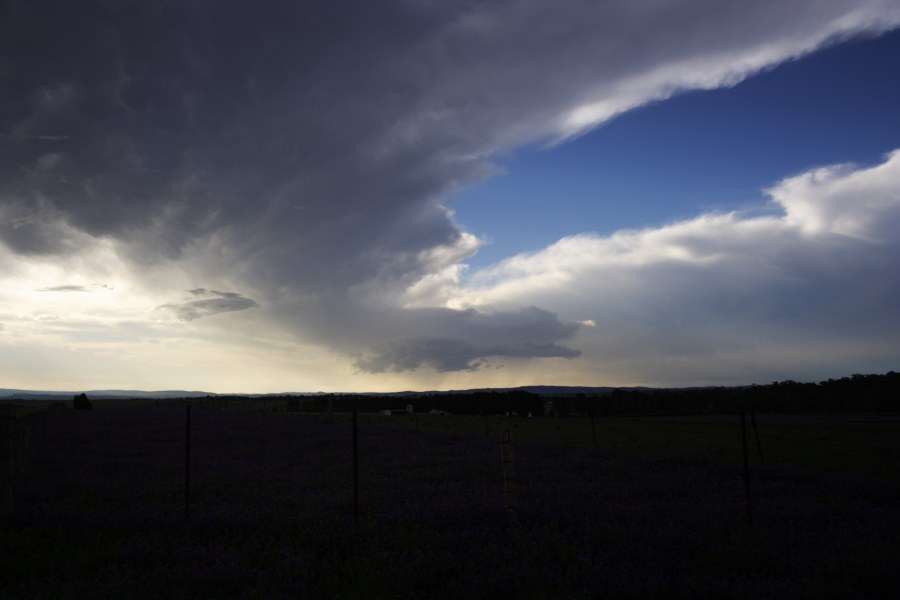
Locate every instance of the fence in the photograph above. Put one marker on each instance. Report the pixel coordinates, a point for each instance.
(736, 439)
(288, 506)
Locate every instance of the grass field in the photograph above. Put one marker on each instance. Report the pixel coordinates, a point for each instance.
(657, 508)
(861, 445)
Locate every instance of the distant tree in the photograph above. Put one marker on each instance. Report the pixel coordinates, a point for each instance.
(81, 402)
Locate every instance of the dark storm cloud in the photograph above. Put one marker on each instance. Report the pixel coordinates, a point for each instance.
(65, 288)
(301, 149)
(209, 302)
(497, 334)
(76, 288)
(194, 118)
(442, 354)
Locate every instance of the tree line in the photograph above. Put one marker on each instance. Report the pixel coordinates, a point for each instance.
(856, 393)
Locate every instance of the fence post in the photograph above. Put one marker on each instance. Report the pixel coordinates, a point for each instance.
(355, 471)
(756, 433)
(8, 468)
(746, 468)
(593, 428)
(187, 460)
(510, 499)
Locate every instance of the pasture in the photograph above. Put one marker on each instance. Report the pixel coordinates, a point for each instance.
(854, 445)
(656, 508)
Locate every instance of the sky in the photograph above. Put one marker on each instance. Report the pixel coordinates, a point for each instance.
(415, 195)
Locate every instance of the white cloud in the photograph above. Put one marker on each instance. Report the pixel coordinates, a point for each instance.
(843, 200)
(813, 290)
(704, 71)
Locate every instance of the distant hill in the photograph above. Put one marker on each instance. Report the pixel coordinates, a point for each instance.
(857, 393)
(541, 390)
(562, 390)
(12, 394)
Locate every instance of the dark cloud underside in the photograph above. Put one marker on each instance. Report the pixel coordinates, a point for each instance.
(497, 334)
(65, 288)
(209, 302)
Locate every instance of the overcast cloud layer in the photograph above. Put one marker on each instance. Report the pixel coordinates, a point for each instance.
(270, 175)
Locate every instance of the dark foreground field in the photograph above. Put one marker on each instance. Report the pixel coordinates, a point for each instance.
(102, 515)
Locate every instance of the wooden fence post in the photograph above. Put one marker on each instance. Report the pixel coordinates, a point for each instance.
(510, 499)
(746, 468)
(355, 471)
(593, 428)
(187, 460)
(756, 433)
(8, 467)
